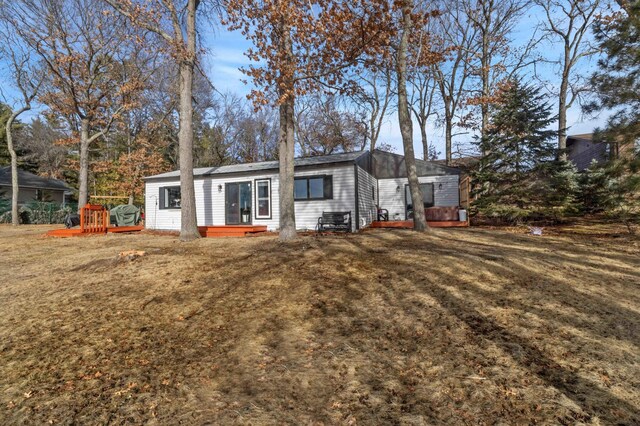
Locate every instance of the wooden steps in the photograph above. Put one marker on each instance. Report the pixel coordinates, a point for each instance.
(230, 230)
(408, 224)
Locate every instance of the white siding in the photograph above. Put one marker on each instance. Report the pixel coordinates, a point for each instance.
(367, 198)
(344, 195)
(392, 199)
(210, 203)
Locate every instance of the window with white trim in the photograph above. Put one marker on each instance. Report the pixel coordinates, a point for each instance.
(170, 197)
(263, 198)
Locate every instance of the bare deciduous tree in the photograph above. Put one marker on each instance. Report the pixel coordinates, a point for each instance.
(423, 105)
(325, 126)
(174, 21)
(407, 28)
(569, 21)
(373, 94)
(27, 77)
(455, 36)
(79, 46)
(494, 21)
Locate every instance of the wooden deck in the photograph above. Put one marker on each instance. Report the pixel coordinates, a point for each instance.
(64, 233)
(124, 229)
(408, 224)
(78, 232)
(230, 230)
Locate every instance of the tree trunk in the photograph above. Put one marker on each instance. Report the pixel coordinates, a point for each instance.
(404, 120)
(373, 134)
(562, 103)
(425, 140)
(286, 142)
(188, 224)
(131, 197)
(448, 125)
(83, 193)
(485, 64)
(484, 106)
(15, 187)
(562, 116)
(286, 153)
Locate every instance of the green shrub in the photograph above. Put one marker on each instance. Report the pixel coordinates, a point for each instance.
(37, 213)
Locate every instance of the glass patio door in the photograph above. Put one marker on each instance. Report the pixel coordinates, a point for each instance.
(238, 208)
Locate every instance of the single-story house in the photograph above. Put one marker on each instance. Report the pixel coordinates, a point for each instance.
(358, 182)
(32, 187)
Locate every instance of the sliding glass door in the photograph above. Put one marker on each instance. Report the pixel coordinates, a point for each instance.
(238, 207)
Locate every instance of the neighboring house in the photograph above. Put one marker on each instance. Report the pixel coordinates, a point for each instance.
(32, 187)
(248, 193)
(582, 150)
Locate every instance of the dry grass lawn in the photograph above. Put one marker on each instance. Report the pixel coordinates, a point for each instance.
(463, 326)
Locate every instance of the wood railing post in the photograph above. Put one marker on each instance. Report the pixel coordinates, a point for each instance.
(82, 212)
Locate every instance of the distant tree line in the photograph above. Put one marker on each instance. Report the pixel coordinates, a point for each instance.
(124, 95)
(524, 176)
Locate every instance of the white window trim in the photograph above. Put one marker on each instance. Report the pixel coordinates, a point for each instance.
(258, 198)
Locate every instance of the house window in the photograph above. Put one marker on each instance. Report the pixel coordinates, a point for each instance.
(43, 195)
(170, 197)
(313, 188)
(427, 194)
(263, 199)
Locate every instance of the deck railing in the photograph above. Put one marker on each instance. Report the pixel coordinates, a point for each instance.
(94, 219)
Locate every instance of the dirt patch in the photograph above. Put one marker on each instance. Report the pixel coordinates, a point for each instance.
(461, 326)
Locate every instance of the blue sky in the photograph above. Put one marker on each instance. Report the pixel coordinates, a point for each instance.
(226, 56)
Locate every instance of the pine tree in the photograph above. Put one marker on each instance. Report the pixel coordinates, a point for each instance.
(617, 85)
(625, 191)
(597, 189)
(513, 177)
(562, 196)
(617, 82)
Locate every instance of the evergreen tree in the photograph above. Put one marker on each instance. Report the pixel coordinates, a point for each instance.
(625, 195)
(617, 82)
(597, 189)
(562, 195)
(519, 177)
(617, 85)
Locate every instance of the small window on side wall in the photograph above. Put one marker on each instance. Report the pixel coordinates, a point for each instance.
(263, 199)
(170, 197)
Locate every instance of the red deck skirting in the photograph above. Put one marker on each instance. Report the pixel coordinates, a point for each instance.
(77, 232)
(63, 233)
(119, 229)
(408, 224)
(230, 230)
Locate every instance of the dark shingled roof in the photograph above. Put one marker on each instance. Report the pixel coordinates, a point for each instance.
(345, 157)
(389, 165)
(29, 180)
